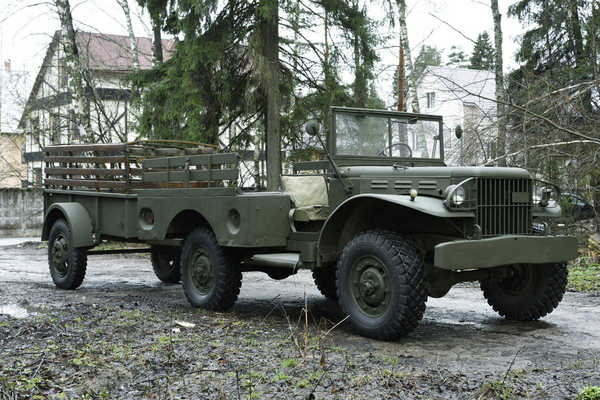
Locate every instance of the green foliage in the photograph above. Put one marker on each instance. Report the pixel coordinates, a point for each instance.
(497, 390)
(203, 85)
(289, 363)
(483, 53)
(212, 78)
(429, 56)
(589, 393)
(584, 276)
(457, 58)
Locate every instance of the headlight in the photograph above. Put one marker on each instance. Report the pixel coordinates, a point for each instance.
(458, 196)
(461, 196)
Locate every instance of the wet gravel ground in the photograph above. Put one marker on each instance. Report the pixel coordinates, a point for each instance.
(124, 334)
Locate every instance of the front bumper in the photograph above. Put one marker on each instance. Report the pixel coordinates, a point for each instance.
(504, 250)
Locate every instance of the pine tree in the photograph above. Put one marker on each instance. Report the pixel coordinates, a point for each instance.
(483, 53)
(457, 58)
(429, 56)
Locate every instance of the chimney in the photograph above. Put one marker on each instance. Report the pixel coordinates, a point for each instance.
(7, 65)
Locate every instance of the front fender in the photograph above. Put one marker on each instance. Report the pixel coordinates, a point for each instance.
(355, 213)
(77, 218)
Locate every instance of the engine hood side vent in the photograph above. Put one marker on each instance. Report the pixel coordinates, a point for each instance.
(403, 185)
(379, 184)
(428, 185)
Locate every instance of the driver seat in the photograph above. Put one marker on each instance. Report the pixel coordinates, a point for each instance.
(309, 197)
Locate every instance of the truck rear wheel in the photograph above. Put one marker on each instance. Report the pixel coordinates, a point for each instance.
(325, 281)
(528, 292)
(67, 263)
(166, 263)
(211, 277)
(380, 284)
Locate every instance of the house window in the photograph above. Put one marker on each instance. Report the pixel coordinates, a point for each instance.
(37, 176)
(430, 99)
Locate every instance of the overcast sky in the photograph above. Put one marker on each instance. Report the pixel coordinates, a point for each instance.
(26, 28)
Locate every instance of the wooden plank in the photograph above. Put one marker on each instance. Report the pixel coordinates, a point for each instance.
(64, 148)
(162, 152)
(85, 171)
(194, 175)
(89, 183)
(180, 161)
(93, 171)
(83, 159)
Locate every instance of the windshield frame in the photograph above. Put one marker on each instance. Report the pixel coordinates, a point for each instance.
(382, 160)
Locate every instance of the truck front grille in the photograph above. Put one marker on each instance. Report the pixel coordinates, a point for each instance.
(504, 206)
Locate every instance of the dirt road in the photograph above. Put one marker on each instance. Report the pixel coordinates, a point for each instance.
(123, 334)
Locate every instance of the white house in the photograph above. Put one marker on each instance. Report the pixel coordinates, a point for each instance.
(49, 116)
(13, 92)
(464, 97)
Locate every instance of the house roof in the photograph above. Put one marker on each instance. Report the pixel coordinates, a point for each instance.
(113, 52)
(468, 85)
(101, 52)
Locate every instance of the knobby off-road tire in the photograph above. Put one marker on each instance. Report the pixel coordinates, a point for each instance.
(67, 264)
(380, 284)
(529, 293)
(166, 263)
(211, 277)
(325, 281)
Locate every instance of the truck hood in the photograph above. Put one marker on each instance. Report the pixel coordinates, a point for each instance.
(433, 172)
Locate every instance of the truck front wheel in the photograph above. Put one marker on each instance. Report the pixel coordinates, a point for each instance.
(165, 262)
(380, 284)
(211, 278)
(67, 263)
(527, 292)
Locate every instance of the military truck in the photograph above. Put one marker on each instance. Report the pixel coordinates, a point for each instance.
(382, 222)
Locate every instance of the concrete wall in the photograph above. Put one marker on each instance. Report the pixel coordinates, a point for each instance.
(21, 212)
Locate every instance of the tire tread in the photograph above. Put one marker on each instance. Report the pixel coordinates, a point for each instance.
(406, 256)
(228, 277)
(551, 295)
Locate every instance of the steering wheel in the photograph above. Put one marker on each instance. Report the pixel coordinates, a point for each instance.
(382, 152)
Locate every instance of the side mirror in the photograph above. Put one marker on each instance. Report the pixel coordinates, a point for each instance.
(458, 131)
(312, 127)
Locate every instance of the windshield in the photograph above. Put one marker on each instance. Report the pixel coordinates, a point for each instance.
(386, 136)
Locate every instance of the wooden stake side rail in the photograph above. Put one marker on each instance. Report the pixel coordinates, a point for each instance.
(123, 167)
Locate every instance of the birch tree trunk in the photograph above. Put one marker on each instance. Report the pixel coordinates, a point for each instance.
(74, 66)
(132, 39)
(421, 145)
(268, 46)
(500, 95)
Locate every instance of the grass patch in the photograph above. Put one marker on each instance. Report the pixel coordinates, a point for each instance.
(589, 393)
(584, 276)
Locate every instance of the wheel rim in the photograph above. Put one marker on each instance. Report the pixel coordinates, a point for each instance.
(518, 280)
(60, 255)
(370, 285)
(202, 272)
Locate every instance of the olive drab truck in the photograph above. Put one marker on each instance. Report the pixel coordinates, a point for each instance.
(382, 222)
